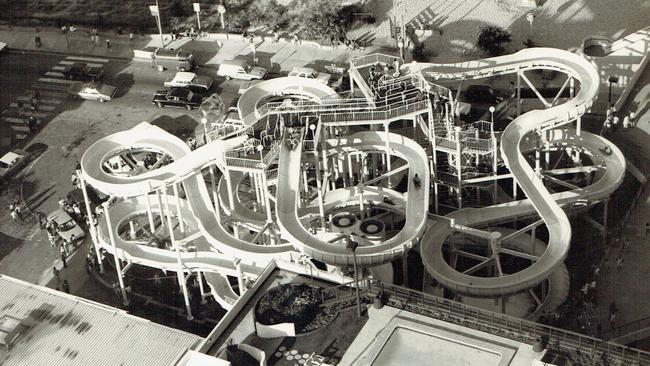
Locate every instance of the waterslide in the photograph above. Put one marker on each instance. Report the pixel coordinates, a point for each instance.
(186, 169)
(288, 201)
(512, 138)
(249, 102)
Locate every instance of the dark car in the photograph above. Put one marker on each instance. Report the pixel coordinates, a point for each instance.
(82, 72)
(177, 97)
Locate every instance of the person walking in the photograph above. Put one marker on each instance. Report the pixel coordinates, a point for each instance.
(619, 263)
(108, 43)
(65, 287)
(596, 271)
(56, 273)
(63, 255)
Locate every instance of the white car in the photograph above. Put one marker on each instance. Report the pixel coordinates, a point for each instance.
(240, 69)
(92, 91)
(11, 162)
(309, 73)
(3, 47)
(68, 229)
(189, 80)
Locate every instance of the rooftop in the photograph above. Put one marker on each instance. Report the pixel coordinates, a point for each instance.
(42, 326)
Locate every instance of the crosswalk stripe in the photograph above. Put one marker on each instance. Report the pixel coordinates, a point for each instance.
(58, 81)
(41, 107)
(53, 73)
(46, 93)
(90, 59)
(58, 68)
(64, 62)
(13, 120)
(20, 128)
(28, 99)
(51, 88)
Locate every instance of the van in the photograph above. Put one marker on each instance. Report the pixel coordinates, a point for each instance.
(181, 60)
(240, 69)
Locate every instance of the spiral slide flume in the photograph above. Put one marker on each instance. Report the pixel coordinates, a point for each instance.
(550, 212)
(416, 201)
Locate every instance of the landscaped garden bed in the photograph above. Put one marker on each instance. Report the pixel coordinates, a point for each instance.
(294, 303)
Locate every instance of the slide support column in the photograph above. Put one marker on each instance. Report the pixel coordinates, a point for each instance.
(118, 265)
(91, 223)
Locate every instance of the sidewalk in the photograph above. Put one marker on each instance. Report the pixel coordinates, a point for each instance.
(210, 51)
(628, 286)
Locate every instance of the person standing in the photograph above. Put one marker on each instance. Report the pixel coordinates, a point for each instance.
(108, 43)
(63, 255)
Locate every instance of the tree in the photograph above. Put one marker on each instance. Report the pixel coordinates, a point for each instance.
(214, 109)
(491, 39)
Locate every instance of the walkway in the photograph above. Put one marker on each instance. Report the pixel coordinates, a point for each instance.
(628, 286)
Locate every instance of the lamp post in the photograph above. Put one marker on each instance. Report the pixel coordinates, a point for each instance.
(204, 122)
(352, 245)
(65, 33)
(612, 79)
(312, 128)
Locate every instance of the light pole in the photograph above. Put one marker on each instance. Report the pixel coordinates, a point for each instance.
(312, 128)
(352, 245)
(492, 109)
(65, 33)
(530, 17)
(612, 79)
(204, 122)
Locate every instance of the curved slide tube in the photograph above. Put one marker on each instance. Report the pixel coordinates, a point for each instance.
(249, 101)
(288, 201)
(436, 234)
(555, 219)
(186, 167)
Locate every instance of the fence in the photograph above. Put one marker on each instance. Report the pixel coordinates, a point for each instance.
(485, 320)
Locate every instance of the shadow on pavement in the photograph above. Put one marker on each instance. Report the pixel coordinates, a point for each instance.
(182, 127)
(9, 243)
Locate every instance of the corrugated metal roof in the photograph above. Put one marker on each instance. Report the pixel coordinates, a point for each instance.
(66, 330)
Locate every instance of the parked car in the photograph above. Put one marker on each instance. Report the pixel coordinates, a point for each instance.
(82, 72)
(179, 59)
(12, 162)
(68, 229)
(245, 85)
(177, 97)
(93, 91)
(239, 69)
(3, 47)
(309, 73)
(189, 80)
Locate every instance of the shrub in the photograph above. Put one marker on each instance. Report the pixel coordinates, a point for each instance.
(491, 39)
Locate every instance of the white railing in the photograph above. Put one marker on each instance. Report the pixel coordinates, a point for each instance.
(376, 116)
(367, 60)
